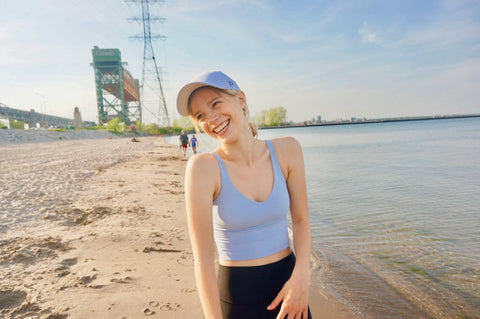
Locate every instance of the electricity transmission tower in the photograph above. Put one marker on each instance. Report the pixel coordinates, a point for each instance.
(152, 96)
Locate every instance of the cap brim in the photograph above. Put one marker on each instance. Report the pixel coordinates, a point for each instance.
(184, 95)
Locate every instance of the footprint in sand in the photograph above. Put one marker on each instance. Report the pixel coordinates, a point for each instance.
(188, 290)
(124, 280)
(185, 259)
(12, 299)
(69, 261)
(62, 271)
(156, 234)
(169, 306)
(166, 306)
(148, 312)
(64, 268)
(85, 280)
(177, 184)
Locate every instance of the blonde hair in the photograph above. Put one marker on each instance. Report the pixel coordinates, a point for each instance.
(253, 125)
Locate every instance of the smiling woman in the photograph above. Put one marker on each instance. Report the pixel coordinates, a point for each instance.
(225, 89)
(238, 198)
(208, 104)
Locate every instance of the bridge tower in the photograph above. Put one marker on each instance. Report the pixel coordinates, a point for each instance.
(117, 91)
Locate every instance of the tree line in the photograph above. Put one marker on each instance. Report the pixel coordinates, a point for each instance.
(266, 118)
(272, 117)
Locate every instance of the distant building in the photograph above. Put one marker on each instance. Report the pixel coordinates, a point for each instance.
(77, 117)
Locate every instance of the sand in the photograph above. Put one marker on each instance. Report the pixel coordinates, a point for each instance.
(93, 226)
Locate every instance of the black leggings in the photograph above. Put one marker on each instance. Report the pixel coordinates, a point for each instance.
(245, 292)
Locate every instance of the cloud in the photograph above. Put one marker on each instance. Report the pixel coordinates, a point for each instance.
(366, 34)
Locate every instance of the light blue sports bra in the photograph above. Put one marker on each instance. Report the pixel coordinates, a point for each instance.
(246, 229)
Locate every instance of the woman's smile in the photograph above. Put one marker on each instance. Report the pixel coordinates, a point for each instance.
(221, 128)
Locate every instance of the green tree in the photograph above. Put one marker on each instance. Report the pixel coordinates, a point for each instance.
(139, 125)
(18, 125)
(151, 129)
(115, 125)
(272, 117)
(183, 123)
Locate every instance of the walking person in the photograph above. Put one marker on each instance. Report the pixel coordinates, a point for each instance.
(238, 198)
(184, 142)
(193, 142)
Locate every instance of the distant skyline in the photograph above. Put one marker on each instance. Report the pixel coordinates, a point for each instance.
(336, 59)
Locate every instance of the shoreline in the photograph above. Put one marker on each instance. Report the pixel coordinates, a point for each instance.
(16, 136)
(377, 121)
(107, 236)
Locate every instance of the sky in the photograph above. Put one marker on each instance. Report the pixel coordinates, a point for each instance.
(334, 59)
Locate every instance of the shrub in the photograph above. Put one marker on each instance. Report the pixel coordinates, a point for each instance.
(115, 126)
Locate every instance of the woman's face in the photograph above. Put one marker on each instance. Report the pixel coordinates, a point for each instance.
(219, 114)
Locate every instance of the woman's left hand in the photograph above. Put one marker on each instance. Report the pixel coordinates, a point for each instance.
(294, 299)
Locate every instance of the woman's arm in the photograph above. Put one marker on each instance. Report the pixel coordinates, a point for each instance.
(199, 191)
(294, 294)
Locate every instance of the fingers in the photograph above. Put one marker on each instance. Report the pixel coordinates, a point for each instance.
(299, 315)
(292, 312)
(294, 302)
(305, 313)
(276, 301)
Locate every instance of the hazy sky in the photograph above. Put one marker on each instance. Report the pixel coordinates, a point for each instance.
(337, 59)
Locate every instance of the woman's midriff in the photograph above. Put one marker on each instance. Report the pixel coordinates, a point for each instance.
(258, 261)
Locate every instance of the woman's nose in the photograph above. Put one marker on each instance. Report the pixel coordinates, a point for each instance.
(212, 117)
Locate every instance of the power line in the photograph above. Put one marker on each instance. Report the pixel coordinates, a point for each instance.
(151, 85)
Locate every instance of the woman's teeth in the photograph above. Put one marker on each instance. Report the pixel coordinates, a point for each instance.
(219, 129)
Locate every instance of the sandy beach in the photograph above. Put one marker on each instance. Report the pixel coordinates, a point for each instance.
(93, 226)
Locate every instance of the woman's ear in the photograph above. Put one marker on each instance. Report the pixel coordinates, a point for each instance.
(242, 98)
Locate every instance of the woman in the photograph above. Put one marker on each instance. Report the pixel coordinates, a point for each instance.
(237, 198)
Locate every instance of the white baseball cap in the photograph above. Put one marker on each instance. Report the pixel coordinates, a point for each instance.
(216, 79)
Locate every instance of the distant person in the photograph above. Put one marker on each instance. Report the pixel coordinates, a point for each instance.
(133, 129)
(238, 198)
(184, 143)
(193, 141)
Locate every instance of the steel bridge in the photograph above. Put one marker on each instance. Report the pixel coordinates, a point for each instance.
(117, 91)
(32, 118)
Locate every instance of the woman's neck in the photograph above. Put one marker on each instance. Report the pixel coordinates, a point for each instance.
(243, 151)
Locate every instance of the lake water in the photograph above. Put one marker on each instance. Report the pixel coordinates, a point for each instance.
(395, 214)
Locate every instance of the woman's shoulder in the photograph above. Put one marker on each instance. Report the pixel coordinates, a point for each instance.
(202, 161)
(286, 144)
(288, 151)
(202, 164)
(202, 176)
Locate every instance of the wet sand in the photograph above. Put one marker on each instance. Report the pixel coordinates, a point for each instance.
(93, 226)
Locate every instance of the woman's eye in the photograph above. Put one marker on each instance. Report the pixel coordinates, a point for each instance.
(216, 103)
(199, 117)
